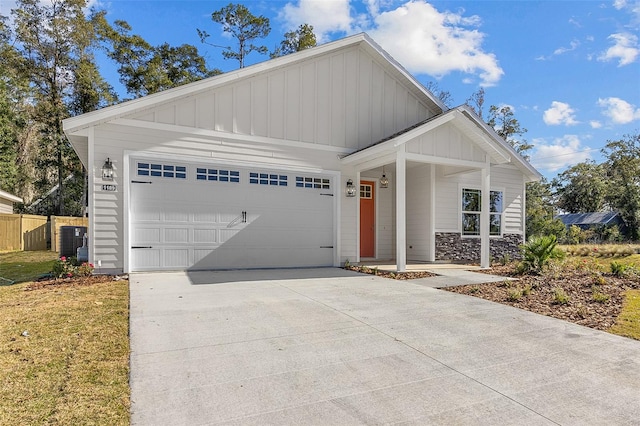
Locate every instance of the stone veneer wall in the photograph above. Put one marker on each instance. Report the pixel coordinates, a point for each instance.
(452, 247)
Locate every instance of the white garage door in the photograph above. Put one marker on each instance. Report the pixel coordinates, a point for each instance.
(198, 216)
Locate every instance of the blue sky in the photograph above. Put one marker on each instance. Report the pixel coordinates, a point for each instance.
(570, 70)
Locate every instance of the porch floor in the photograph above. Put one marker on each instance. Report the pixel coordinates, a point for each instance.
(446, 274)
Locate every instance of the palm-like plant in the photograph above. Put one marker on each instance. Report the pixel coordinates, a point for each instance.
(538, 252)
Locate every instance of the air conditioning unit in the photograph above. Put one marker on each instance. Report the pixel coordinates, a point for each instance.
(71, 238)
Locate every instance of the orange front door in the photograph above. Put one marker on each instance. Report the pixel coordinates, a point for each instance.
(367, 219)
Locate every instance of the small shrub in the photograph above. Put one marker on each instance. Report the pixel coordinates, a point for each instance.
(539, 251)
(63, 268)
(505, 259)
(526, 290)
(505, 283)
(618, 269)
(474, 289)
(514, 295)
(85, 270)
(599, 296)
(68, 268)
(560, 297)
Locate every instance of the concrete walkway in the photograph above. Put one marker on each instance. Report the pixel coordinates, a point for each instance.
(332, 347)
(449, 277)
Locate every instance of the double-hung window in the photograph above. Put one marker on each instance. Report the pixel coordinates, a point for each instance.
(472, 207)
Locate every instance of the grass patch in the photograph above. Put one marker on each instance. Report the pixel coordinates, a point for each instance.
(64, 357)
(23, 266)
(628, 323)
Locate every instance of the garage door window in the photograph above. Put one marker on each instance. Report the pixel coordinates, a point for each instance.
(267, 179)
(162, 170)
(311, 182)
(218, 175)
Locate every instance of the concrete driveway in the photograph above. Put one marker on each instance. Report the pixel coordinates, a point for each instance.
(332, 347)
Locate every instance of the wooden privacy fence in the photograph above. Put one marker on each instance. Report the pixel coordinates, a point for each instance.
(23, 232)
(59, 221)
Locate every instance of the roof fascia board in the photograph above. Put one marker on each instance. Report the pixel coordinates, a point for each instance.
(405, 73)
(531, 172)
(225, 136)
(10, 197)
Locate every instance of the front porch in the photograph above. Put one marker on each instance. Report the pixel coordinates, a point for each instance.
(455, 191)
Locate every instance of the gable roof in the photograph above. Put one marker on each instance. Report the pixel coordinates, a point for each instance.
(595, 218)
(482, 134)
(75, 125)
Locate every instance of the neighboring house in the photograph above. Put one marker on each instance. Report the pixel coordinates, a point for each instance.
(591, 220)
(250, 169)
(7, 200)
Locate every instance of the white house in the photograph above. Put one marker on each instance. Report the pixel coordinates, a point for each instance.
(7, 200)
(254, 169)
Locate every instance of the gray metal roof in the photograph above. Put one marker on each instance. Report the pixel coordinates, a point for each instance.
(597, 218)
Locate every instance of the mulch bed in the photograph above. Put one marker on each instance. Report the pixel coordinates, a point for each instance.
(49, 283)
(581, 287)
(409, 275)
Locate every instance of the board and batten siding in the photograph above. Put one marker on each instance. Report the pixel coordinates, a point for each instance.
(346, 100)
(418, 200)
(503, 178)
(447, 142)
(385, 221)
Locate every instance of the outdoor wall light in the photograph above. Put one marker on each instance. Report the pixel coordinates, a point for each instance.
(351, 189)
(384, 180)
(107, 170)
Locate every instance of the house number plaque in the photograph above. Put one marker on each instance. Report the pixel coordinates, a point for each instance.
(112, 188)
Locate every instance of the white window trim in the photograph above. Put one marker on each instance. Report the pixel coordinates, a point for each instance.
(459, 201)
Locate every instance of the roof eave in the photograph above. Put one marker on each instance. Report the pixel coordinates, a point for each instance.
(10, 197)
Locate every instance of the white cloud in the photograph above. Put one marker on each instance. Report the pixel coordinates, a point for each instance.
(632, 6)
(625, 49)
(619, 4)
(559, 113)
(619, 110)
(421, 38)
(325, 16)
(595, 124)
(562, 152)
(573, 45)
(427, 41)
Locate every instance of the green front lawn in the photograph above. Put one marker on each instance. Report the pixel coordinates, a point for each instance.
(23, 266)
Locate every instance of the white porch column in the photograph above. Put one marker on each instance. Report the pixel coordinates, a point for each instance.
(401, 210)
(357, 184)
(484, 217)
(431, 225)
